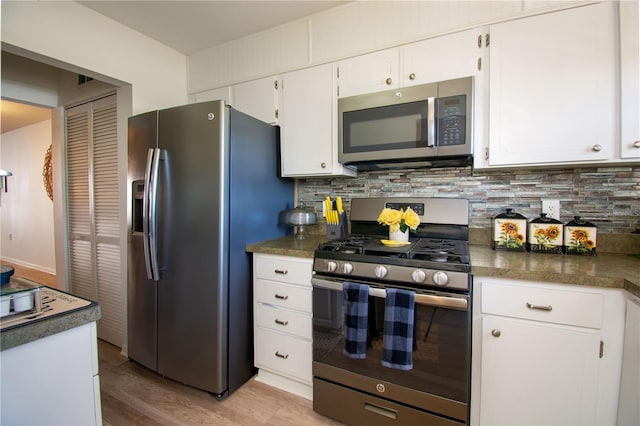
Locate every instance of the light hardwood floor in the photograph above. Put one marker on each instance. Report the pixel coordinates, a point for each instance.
(133, 395)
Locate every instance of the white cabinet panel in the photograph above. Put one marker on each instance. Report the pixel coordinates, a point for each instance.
(286, 354)
(52, 380)
(442, 58)
(283, 295)
(629, 80)
(575, 308)
(536, 374)
(283, 269)
(553, 88)
(257, 98)
(369, 73)
(308, 124)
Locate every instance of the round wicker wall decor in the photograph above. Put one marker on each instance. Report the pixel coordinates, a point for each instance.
(47, 174)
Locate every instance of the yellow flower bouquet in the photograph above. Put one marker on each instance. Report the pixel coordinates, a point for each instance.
(399, 220)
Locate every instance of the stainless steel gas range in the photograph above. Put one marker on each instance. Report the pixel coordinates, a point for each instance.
(400, 354)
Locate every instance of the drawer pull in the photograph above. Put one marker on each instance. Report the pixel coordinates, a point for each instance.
(281, 271)
(383, 411)
(281, 297)
(496, 333)
(547, 308)
(283, 356)
(281, 322)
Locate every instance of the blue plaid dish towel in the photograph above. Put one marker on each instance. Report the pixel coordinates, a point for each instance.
(356, 301)
(397, 342)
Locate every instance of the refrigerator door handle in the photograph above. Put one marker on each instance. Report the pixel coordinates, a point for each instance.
(153, 224)
(145, 213)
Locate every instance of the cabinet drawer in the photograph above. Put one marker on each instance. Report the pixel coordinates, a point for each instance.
(283, 320)
(284, 269)
(285, 295)
(569, 307)
(283, 354)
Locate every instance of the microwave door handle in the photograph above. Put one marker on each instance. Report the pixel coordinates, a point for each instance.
(431, 121)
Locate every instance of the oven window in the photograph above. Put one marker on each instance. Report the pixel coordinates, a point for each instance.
(441, 349)
(383, 128)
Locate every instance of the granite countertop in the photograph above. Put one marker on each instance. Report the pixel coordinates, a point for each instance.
(48, 325)
(609, 270)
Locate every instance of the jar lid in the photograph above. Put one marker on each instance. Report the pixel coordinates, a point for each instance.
(544, 219)
(509, 214)
(579, 222)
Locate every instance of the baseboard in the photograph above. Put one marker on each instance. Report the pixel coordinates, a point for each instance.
(30, 265)
(284, 383)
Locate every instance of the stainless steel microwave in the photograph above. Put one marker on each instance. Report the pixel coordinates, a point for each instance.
(427, 125)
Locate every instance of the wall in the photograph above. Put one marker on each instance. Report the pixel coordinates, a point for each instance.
(68, 35)
(607, 197)
(26, 210)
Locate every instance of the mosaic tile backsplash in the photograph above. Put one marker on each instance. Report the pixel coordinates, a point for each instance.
(607, 197)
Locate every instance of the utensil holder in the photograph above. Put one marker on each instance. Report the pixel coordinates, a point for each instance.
(337, 230)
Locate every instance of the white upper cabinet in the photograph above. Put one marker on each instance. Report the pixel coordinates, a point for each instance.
(308, 123)
(369, 73)
(441, 58)
(629, 80)
(257, 98)
(554, 88)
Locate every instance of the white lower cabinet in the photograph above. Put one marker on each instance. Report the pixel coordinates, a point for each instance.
(549, 354)
(282, 322)
(53, 380)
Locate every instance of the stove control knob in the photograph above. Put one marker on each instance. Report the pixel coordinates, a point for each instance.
(418, 276)
(332, 266)
(347, 268)
(440, 278)
(380, 271)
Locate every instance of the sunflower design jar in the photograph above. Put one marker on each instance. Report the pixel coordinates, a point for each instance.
(580, 237)
(509, 231)
(545, 235)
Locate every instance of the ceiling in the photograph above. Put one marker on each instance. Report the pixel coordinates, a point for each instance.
(184, 25)
(16, 115)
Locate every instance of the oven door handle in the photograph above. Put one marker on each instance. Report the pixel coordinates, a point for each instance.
(452, 302)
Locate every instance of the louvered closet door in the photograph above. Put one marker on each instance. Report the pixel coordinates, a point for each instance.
(93, 212)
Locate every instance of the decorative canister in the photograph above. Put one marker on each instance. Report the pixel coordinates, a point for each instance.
(545, 235)
(580, 237)
(509, 231)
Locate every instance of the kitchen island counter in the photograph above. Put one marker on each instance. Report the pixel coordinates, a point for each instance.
(610, 270)
(47, 325)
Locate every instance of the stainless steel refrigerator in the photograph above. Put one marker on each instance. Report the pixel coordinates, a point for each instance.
(203, 182)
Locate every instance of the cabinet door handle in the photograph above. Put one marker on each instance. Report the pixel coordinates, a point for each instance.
(279, 322)
(281, 271)
(495, 332)
(636, 144)
(547, 308)
(412, 76)
(281, 297)
(283, 356)
(388, 81)
(597, 148)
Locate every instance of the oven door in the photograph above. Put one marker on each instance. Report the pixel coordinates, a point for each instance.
(438, 383)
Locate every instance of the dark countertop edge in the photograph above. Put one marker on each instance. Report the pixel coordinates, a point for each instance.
(48, 326)
(287, 246)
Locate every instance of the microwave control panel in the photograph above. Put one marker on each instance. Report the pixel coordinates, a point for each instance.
(451, 113)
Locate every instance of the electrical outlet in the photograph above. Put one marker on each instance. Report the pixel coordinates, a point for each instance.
(551, 208)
